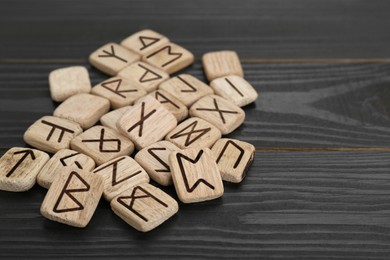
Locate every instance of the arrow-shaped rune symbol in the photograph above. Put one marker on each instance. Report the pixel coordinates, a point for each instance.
(62, 160)
(25, 154)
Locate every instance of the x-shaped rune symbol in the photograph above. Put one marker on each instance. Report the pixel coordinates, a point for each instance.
(220, 111)
(101, 142)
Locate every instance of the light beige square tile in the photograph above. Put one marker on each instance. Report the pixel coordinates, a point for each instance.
(195, 175)
(119, 91)
(173, 104)
(235, 89)
(102, 144)
(147, 122)
(111, 118)
(19, 168)
(111, 58)
(170, 58)
(84, 109)
(51, 134)
(186, 88)
(144, 207)
(220, 112)
(221, 63)
(154, 159)
(144, 42)
(194, 133)
(66, 82)
(119, 175)
(73, 197)
(148, 76)
(234, 158)
(63, 158)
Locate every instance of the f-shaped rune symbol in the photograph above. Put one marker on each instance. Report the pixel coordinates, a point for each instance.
(140, 123)
(220, 111)
(101, 142)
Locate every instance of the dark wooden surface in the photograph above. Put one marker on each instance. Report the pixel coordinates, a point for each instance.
(320, 184)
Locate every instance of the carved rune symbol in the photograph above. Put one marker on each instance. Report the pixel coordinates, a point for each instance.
(192, 88)
(62, 160)
(235, 145)
(189, 188)
(148, 75)
(114, 180)
(220, 111)
(25, 153)
(140, 123)
(151, 151)
(189, 134)
(165, 100)
(133, 197)
(69, 192)
(54, 127)
(111, 54)
(177, 55)
(117, 83)
(147, 41)
(101, 142)
(234, 87)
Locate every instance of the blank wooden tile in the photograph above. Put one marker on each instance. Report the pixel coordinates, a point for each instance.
(119, 91)
(102, 144)
(85, 109)
(119, 175)
(235, 89)
(146, 122)
(111, 58)
(154, 159)
(221, 63)
(73, 197)
(111, 118)
(173, 104)
(186, 88)
(234, 158)
(51, 134)
(220, 112)
(170, 58)
(195, 175)
(144, 42)
(19, 168)
(66, 82)
(194, 133)
(63, 158)
(148, 76)
(144, 207)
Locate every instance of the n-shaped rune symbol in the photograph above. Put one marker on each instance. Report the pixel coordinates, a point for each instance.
(140, 123)
(111, 54)
(101, 142)
(220, 111)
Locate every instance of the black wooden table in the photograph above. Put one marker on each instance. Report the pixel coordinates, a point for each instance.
(320, 184)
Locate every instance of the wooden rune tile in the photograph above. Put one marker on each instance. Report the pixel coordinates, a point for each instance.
(51, 134)
(234, 158)
(221, 63)
(186, 88)
(102, 144)
(235, 89)
(195, 175)
(144, 42)
(119, 175)
(66, 82)
(144, 207)
(63, 158)
(19, 168)
(173, 104)
(112, 57)
(72, 197)
(220, 112)
(119, 91)
(170, 58)
(111, 118)
(148, 76)
(154, 159)
(194, 133)
(85, 109)
(147, 122)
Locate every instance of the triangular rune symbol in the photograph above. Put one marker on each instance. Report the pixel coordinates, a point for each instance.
(147, 41)
(148, 75)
